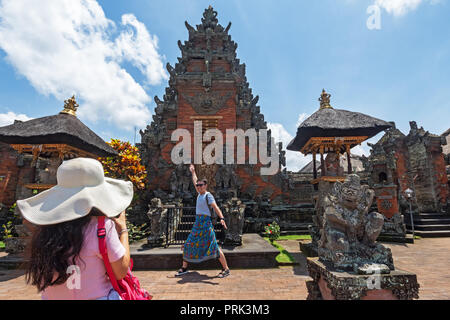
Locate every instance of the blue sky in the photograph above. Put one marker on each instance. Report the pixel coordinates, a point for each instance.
(112, 55)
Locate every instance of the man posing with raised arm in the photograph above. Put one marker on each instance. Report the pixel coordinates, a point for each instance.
(201, 244)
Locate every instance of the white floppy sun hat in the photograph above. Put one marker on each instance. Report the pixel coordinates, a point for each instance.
(81, 186)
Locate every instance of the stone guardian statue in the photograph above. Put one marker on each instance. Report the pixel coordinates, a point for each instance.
(348, 239)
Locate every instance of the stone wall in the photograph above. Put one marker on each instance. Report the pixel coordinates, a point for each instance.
(415, 161)
(9, 174)
(427, 168)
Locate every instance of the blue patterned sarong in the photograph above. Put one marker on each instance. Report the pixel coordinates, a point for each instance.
(201, 244)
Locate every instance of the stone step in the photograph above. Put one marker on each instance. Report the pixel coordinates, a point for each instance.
(12, 261)
(190, 219)
(295, 232)
(431, 227)
(182, 234)
(430, 222)
(427, 215)
(255, 252)
(189, 212)
(185, 225)
(431, 234)
(435, 215)
(394, 238)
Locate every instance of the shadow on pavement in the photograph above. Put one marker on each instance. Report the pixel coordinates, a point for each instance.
(195, 277)
(300, 269)
(7, 274)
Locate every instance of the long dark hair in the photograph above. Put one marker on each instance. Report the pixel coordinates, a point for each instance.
(53, 249)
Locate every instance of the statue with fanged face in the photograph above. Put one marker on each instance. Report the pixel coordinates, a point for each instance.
(348, 238)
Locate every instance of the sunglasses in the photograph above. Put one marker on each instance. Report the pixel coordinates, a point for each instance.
(200, 184)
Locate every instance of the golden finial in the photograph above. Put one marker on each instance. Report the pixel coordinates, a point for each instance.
(325, 100)
(70, 106)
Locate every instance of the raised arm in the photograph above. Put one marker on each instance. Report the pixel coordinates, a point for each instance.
(194, 176)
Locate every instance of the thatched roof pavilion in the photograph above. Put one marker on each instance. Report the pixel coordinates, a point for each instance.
(63, 133)
(336, 123)
(54, 138)
(330, 130)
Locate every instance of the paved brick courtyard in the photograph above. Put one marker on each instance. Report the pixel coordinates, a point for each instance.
(428, 258)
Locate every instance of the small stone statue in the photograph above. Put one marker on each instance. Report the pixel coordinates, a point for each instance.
(349, 232)
(333, 166)
(156, 214)
(234, 217)
(394, 225)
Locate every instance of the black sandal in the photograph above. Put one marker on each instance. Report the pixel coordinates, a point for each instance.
(224, 273)
(181, 272)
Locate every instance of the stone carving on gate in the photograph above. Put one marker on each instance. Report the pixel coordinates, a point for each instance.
(207, 103)
(226, 177)
(180, 181)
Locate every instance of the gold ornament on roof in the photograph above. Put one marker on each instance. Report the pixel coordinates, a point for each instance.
(70, 106)
(325, 100)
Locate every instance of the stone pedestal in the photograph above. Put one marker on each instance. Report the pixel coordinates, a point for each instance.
(255, 252)
(394, 228)
(332, 285)
(308, 248)
(387, 201)
(17, 245)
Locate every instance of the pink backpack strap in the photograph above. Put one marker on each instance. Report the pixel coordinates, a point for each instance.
(101, 234)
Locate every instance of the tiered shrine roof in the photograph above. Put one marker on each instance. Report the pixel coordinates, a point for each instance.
(61, 129)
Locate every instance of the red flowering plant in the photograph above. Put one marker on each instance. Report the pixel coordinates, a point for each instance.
(272, 231)
(127, 165)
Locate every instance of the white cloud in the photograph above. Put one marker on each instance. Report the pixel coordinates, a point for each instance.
(302, 117)
(364, 149)
(361, 150)
(9, 117)
(294, 160)
(140, 48)
(67, 47)
(401, 7)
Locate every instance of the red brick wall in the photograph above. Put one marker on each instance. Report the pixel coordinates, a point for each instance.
(402, 171)
(441, 177)
(185, 111)
(9, 174)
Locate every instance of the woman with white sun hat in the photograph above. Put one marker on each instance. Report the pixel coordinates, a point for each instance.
(67, 216)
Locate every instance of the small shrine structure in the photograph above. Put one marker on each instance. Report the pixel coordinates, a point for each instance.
(41, 145)
(417, 162)
(31, 153)
(333, 132)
